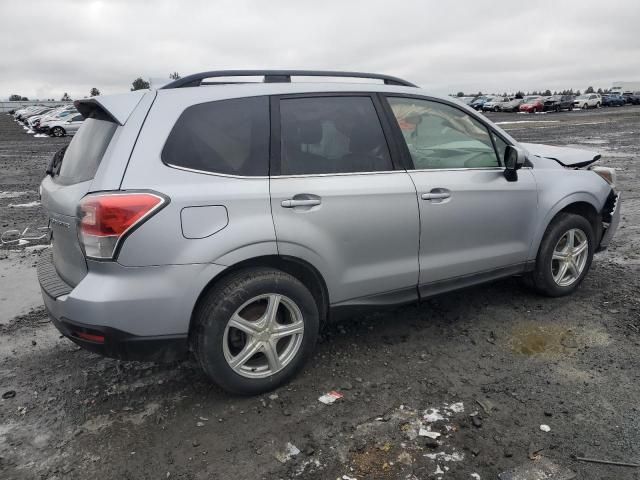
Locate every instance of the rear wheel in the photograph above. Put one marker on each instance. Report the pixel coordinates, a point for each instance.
(585, 106)
(58, 132)
(565, 255)
(254, 330)
(598, 105)
(496, 109)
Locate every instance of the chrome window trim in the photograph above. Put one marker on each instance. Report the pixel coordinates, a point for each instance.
(339, 174)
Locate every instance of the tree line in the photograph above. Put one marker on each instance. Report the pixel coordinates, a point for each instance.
(545, 93)
(138, 84)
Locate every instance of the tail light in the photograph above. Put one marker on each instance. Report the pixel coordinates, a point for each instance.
(105, 219)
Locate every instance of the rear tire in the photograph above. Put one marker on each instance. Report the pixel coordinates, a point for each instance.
(262, 303)
(565, 235)
(585, 106)
(598, 105)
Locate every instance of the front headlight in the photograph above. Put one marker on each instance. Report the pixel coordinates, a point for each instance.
(609, 174)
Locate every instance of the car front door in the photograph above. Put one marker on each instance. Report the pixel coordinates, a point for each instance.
(474, 223)
(337, 200)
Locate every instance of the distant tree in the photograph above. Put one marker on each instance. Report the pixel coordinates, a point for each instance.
(535, 92)
(578, 92)
(174, 76)
(547, 92)
(519, 94)
(479, 94)
(94, 92)
(16, 98)
(599, 91)
(65, 97)
(139, 84)
(460, 94)
(589, 90)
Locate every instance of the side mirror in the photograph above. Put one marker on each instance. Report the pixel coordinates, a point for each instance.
(514, 158)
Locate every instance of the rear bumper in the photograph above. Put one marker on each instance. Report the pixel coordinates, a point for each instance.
(122, 345)
(610, 215)
(141, 313)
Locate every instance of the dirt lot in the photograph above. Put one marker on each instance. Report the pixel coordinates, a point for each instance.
(484, 368)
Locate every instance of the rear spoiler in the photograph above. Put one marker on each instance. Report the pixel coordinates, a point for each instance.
(117, 108)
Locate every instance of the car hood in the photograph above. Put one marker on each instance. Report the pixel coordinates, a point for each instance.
(567, 157)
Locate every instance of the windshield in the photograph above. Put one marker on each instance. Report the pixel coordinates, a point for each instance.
(531, 99)
(85, 151)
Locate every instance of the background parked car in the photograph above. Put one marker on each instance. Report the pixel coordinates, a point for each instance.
(556, 103)
(532, 104)
(62, 127)
(590, 100)
(613, 101)
(43, 124)
(494, 104)
(465, 100)
(512, 105)
(632, 98)
(478, 102)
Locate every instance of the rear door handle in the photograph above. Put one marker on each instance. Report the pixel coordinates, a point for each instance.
(291, 203)
(436, 196)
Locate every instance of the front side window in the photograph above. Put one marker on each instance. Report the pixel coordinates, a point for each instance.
(324, 135)
(228, 136)
(440, 136)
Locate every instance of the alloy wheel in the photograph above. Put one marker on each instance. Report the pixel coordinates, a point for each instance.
(569, 257)
(263, 336)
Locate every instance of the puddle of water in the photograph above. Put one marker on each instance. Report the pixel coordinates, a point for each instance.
(12, 194)
(537, 339)
(19, 288)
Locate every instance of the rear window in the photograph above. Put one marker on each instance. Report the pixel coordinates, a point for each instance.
(84, 154)
(230, 137)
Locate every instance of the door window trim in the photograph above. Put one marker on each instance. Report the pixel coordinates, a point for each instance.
(406, 155)
(275, 154)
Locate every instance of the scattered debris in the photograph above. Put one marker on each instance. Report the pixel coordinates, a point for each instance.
(476, 476)
(447, 457)
(545, 428)
(608, 462)
(540, 469)
(330, 397)
(9, 394)
(423, 432)
(289, 452)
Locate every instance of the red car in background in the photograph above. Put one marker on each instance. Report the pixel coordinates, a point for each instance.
(532, 104)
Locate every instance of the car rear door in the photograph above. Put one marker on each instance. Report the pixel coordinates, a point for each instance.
(94, 160)
(473, 221)
(338, 201)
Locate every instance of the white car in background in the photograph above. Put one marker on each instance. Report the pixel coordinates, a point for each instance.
(588, 100)
(63, 126)
(495, 104)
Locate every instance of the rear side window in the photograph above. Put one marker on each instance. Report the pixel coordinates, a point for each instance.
(229, 137)
(331, 135)
(84, 154)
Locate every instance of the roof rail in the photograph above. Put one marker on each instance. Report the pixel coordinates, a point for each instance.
(278, 76)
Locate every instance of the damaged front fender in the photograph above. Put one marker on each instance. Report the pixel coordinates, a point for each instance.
(567, 157)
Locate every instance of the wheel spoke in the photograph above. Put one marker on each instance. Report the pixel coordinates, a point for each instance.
(562, 271)
(571, 236)
(580, 248)
(249, 350)
(560, 256)
(273, 359)
(269, 316)
(244, 325)
(287, 330)
(571, 265)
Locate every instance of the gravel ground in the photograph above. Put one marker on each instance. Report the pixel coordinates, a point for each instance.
(484, 368)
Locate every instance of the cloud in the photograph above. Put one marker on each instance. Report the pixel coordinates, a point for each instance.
(48, 48)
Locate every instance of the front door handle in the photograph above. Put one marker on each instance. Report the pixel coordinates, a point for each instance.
(436, 196)
(294, 202)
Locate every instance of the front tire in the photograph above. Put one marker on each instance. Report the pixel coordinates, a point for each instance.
(254, 330)
(58, 132)
(564, 256)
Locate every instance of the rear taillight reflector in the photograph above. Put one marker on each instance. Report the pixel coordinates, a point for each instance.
(105, 219)
(90, 336)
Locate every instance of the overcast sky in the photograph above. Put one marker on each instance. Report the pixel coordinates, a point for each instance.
(47, 48)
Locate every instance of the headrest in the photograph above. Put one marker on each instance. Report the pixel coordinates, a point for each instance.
(362, 141)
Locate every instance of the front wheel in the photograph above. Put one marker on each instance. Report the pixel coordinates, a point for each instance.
(565, 255)
(58, 132)
(254, 330)
(598, 105)
(585, 106)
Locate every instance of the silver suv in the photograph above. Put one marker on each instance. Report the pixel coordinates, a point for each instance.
(233, 219)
